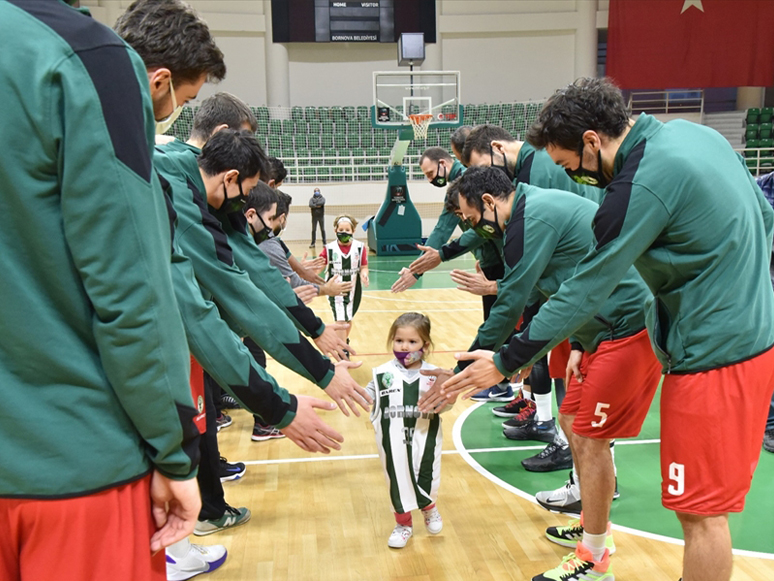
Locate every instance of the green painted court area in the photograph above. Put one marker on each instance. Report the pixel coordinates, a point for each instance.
(639, 480)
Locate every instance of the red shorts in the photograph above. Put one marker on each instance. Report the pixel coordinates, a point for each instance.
(557, 360)
(712, 426)
(89, 538)
(620, 379)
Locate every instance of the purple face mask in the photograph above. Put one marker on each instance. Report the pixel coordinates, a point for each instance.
(406, 358)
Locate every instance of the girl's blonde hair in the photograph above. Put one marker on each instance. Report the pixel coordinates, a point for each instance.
(417, 320)
(346, 217)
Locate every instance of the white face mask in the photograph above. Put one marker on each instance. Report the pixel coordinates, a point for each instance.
(164, 125)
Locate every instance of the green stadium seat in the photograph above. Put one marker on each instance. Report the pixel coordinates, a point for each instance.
(765, 130)
(296, 113)
(263, 127)
(753, 115)
(364, 173)
(750, 147)
(384, 155)
(367, 139)
(340, 141)
(353, 140)
(326, 140)
(286, 141)
(344, 156)
(288, 157)
(300, 141)
(766, 114)
(310, 113)
(273, 143)
(324, 113)
(303, 156)
(288, 126)
(767, 145)
(340, 127)
(313, 140)
(329, 156)
(327, 126)
(275, 126)
(309, 174)
(372, 155)
(337, 114)
(531, 112)
(751, 132)
(348, 173)
(363, 113)
(336, 173)
(350, 113)
(317, 156)
(358, 156)
(315, 127)
(377, 138)
(262, 113)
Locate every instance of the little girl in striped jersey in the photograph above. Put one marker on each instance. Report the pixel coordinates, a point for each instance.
(409, 441)
(347, 259)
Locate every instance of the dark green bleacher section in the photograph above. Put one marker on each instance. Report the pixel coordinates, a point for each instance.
(321, 144)
(759, 140)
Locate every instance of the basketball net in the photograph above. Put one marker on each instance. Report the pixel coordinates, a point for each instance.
(420, 123)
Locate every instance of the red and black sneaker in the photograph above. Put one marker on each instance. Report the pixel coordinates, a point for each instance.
(512, 408)
(524, 416)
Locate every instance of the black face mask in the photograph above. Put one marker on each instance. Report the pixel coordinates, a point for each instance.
(488, 229)
(233, 204)
(587, 177)
(502, 168)
(264, 233)
(439, 180)
(344, 237)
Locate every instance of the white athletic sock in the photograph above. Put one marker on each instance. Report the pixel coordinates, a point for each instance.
(575, 476)
(179, 549)
(561, 433)
(526, 391)
(595, 544)
(543, 403)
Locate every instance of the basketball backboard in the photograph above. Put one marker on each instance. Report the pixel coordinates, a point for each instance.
(397, 94)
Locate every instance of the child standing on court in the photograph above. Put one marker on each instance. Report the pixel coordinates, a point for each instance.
(409, 442)
(346, 258)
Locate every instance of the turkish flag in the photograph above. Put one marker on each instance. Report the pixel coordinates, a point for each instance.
(665, 44)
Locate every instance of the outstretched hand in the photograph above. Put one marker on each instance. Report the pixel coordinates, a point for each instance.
(405, 281)
(474, 282)
(345, 391)
(433, 400)
(308, 431)
(428, 261)
(331, 344)
(481, 374)
(305, 292)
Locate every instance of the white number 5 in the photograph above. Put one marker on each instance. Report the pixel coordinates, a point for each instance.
(601, 414)
(676, 473)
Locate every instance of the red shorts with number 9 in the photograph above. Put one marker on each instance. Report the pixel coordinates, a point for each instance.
(619, 381)
(712, 425)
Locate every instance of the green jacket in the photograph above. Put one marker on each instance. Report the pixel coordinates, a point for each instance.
(243, 305)
(547, 235)
(93, 347)
(532, 167)
(684, 209)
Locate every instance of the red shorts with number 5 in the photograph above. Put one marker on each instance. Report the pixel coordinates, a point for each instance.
(712, 425)
(619, 381)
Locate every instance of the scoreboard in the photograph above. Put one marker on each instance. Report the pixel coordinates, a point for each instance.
(353, 21)
(350, 20)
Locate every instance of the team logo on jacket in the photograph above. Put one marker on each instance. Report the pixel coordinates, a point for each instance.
(387, 380)
(200, 404)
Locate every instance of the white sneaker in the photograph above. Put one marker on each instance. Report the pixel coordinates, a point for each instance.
(400, 536)
(186, 560)
(566, 499)
(433, 520)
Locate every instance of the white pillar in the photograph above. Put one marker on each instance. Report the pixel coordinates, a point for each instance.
(277, 67)
(586, 39)
(747, 97)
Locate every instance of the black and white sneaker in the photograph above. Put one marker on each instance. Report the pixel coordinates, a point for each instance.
(228, 402)
(566, 499)
(553, 457)
(229, 471)
(534, 430)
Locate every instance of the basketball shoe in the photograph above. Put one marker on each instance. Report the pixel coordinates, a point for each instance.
(499, 392)
(572, 534)
(555, 456)
(186, 560)
(262, 433)
(566, 499)
(580, 566)
(511, 409)
(229, 471)
(533, 430)
(525, 416)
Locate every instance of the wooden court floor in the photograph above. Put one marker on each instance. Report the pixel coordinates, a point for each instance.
(317, 517)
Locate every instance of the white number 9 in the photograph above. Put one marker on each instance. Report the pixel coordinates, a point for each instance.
(676, 473)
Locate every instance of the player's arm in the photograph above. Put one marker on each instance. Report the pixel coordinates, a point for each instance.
(279, 260)
(443, 230)
(468, 242)
(117, 232)
(527, 252)
(220, 352)
(626, 224)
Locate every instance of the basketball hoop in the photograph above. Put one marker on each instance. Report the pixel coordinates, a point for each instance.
(420, 123)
